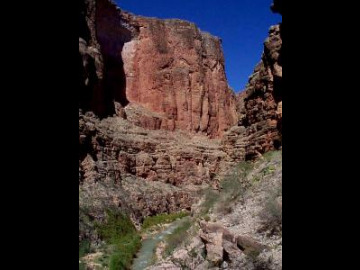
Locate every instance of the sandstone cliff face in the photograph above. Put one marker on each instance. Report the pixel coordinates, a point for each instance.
(174, 69)
(260, 105)
(168, 67)
(120, 57)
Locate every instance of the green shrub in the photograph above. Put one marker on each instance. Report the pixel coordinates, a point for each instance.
(193, 253)
(232, 187)
(84, 247)
(252, 253)
(162, 219)
(177, 237)
(116, 226)
(117, 261)
(271, 154)
(268, 155)
(271, 213)
(268, 170)
(230, 183)
(82, 266)
(119, 232)
(243, 168)
(211, 197)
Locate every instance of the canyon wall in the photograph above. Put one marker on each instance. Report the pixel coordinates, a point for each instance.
(102, 35)
(157, 120)
(260, 105)
(114, 150)
(158, 124)
(177, 71)
(152, 94)
(169, 72)
(263, 101)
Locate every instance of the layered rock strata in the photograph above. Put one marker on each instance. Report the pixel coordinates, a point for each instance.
(146, 88)
(157, 121)
(169, 67)
(260, 105)
(177, 71)
(142, 172)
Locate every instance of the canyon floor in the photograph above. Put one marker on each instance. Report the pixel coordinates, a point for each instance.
(235, 226)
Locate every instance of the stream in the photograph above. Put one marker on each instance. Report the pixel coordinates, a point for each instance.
(145, 255)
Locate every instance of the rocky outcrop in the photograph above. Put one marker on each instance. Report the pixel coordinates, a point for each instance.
(239, 231)
(167, 75)
(182, 86)
(168, 67)
(260, 105)
(222, 245)
(263, 102)
(179, 159)
(141, 103)
(177, 71)
(147, 86)
(102, 35)
(145, 171)
(139, 171)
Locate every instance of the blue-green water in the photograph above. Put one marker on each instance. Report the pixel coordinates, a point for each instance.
(145, 255)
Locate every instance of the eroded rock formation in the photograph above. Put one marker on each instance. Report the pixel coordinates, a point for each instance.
(102, 35)
(177, 71)
(260, 106)
(168, 67)
(142, 172)
(240, 232)
(157, 120)
(166, 78)
(178, 159)
(263, 101)
(221, 244)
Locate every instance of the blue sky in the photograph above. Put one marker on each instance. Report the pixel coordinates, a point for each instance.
(241, 24)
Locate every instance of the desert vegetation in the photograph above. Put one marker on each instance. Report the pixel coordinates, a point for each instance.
(121, 238)
(164, 218)
(177, 237)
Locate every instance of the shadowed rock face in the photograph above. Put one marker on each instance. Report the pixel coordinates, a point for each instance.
(101, 38)
(263, 101)
(260, 105)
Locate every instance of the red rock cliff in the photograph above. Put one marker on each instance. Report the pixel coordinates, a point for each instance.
(139, 78)
(170, 71)
(174, 69)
